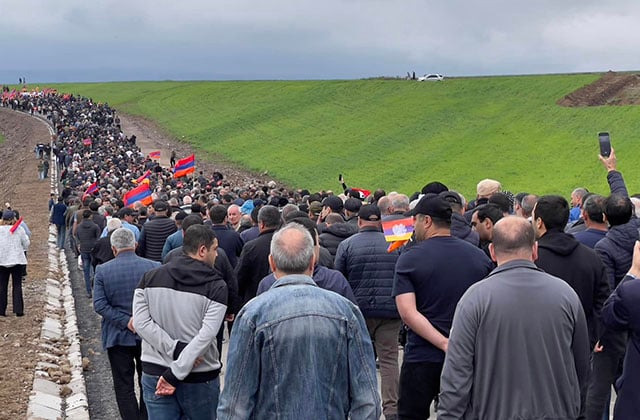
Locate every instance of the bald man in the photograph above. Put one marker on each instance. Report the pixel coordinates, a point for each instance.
(519, 344)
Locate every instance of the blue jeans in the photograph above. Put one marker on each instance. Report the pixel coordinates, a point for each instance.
(87, 267)
(192, 401)
(62, 233)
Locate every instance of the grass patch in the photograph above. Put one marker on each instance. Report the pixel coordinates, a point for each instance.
(397, 135)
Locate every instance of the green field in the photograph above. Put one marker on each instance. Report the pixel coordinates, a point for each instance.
(394, 134)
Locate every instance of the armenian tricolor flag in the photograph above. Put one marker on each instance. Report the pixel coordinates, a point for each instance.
(155, 154)
(143, 177)
(92, 188)
(141, 193)
(185, 166)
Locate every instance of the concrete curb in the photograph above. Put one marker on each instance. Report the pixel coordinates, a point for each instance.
(59, 390)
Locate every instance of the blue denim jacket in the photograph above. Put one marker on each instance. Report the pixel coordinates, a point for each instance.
(298, 351)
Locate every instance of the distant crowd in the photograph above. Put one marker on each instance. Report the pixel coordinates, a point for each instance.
(504, 306)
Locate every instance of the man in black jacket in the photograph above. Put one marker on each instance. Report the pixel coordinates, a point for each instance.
(561, 255)
(253, 264)
(228, 238)
(155, 232)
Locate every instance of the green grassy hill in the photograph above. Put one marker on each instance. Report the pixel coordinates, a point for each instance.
(395, 134)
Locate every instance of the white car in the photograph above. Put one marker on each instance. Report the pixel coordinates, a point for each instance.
(431, 78)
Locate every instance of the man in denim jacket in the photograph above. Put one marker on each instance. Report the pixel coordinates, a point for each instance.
(298, 351)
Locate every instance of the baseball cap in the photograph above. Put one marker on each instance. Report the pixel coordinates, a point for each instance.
(370, 212)
(8, 215)
(452, 197)
(315, 207)
(160, 206)
(352, 204)
(432, 205)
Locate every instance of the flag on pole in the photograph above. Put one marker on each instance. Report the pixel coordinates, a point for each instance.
(397, 230)
(155, 154)
(185, 166)
(141, 193)
(143, 177)
(15, 226)
(92, 188)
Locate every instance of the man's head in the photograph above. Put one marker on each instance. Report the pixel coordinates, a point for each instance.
(593, 209)
(399, 203)
(503, 201)
(234, 214)
(484, 218)
(432, 217)
(527, 204)
(487, 187)
(513, 239)
(576, 196)
(200, 243)
(455, 201)
(190, 220)
(292, 251)
(161, 208)
(384, 204)
(313, 231)
(551, 212)
(369, 216)
(333, 203)
(352, 206)
(315, 208)
(122, 239)
(127, 214)
(218, 214)
(269, 218)
(113, 224)
(86, 214)
(618, 209)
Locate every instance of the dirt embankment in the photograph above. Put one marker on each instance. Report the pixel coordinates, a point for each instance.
(611, 89)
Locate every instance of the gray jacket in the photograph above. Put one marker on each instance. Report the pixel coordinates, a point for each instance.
(518, 349)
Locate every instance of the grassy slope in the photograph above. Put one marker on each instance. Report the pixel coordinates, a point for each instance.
(397, 135)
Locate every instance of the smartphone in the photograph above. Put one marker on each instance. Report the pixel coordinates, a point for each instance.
(605, 144)
(340, 177)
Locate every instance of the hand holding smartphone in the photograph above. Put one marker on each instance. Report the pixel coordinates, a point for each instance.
(605, 144)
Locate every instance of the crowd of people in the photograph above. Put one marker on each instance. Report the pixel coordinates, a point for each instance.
(505, 306)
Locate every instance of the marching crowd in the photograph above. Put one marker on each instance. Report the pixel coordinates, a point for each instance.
(507, 306)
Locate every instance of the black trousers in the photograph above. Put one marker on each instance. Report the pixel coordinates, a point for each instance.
(16, 273)
(125, 361)
(606, 367)
(419, 386)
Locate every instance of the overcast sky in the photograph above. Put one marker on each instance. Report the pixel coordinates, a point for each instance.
(102, 40)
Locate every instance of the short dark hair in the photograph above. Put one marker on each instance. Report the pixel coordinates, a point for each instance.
(553, 210)
(593, 206)
(191, 220)
(86, 214)
(309, 224)
(503, 201)
(520, 236)
(196, 236)
(270, 216)
(296, 214)
(217, 214)
(491, 211)
(94, 206)
(618, 209)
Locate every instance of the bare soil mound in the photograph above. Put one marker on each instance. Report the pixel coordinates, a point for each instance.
(611, 89)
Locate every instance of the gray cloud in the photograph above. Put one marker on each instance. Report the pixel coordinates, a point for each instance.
(78, 40)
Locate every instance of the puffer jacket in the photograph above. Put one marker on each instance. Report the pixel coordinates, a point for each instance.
(153, 235)
(333, 235)
(369, 268)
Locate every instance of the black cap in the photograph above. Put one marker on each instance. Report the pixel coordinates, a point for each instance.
(432, 205)
(451, 197)
(160, 205)
(370, 212)
(352, 204)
